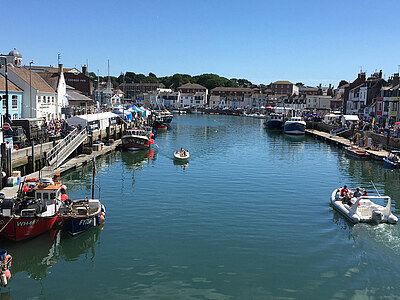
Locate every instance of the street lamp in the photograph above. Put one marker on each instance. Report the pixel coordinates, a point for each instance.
(30, 87)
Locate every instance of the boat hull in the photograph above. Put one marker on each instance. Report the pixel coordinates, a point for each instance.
(19, 229)
(135, 143)
(178, 157)
(294, 128)
(390, 164)
(76, 225)
(274, 124)
(359, 154)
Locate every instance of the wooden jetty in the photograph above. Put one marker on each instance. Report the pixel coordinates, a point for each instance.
(343, 142)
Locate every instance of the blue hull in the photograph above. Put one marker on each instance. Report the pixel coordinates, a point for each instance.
(75, 225)
(274, 124)
(295, 128)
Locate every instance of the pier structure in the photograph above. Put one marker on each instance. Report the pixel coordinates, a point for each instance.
(343, 142)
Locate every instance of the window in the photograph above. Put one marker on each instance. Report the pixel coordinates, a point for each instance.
(38, 99)
(4, 102)
(15, 116)
(52, 99)
(14, 101)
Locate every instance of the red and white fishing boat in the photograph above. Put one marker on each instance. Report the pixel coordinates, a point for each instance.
(136, 139)
(357, 152)
(33, 212)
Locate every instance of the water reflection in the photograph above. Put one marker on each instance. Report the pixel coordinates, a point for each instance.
(37, 255)
(182, 164)
(135, 160)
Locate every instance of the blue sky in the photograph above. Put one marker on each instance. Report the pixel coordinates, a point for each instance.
(313, 41)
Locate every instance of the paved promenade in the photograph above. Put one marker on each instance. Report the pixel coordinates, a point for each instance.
(71, 164)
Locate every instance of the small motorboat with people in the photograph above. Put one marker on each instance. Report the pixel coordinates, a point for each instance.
(274, 121)
(181, 155)
(358, 206)
(295, 125)
(392, 160)
(5, 265)
(33, 211)
(137, 139)
(357, 152)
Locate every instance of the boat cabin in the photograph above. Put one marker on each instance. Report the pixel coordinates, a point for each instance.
(135, 131)
(296, 119)
(275, 117)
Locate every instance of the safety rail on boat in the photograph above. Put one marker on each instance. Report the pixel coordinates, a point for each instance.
(66, 146)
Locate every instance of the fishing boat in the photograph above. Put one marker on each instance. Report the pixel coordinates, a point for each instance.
(392, 160)
(274, 121)
(33, 211)
(181, 155)
(295, 125)
(80, 215)
(357, 152)
(136, 139)
(363, 209)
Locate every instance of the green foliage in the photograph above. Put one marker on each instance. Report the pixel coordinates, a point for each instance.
(209, 81)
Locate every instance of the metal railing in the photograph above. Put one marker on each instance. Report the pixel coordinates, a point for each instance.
(66, 146)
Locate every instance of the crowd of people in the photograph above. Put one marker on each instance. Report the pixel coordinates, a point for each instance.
(56, 127)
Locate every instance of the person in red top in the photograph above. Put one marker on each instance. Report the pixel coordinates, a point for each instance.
(345, 194)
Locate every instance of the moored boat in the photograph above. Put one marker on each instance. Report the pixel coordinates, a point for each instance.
(274, 121)
(392, 160)
(81, 215)
(357, 152)
(136, 139)
(362, 209)
(295, 125)
(34, 211)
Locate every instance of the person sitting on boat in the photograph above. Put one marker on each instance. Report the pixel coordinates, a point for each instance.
(365, 193)
(344, 194)
(357, 193)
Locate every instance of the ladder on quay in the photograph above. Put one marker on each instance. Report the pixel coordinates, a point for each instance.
(58, 154)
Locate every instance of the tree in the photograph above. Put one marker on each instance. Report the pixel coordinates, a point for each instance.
(300, 84)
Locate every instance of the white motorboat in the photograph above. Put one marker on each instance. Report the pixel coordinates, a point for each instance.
(362, 209)
(295, 125)
(181, 155)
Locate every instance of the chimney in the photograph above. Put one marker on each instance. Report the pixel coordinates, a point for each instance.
(60, 68)
(380, 73)
(361, 75)
(84, 69)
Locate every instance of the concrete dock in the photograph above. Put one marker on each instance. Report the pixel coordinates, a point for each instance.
(70, 164)
(343, 142)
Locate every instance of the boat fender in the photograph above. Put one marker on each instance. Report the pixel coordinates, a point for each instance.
(103, 208)
(7, 261)
(102, 217)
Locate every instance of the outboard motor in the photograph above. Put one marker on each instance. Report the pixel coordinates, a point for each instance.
(5, 264)
(377, 216)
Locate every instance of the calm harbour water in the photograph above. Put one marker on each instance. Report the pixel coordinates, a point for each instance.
(247, 218)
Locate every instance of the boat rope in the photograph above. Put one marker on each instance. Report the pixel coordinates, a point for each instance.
(7, 223)
(375, 188)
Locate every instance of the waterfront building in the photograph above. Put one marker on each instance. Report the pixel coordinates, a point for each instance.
(13, 58)
(215, 101)
(135, 88)
(233, 97)
(192, 95)
(347, 88)
(169, 99)
(72, 77)
(14, 99)
(284, 87)
(256, 100)
(77, 99)
(308, 90)
(39, 99)
(55, 78)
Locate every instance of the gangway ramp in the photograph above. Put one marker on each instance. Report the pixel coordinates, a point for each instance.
(57, 155)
